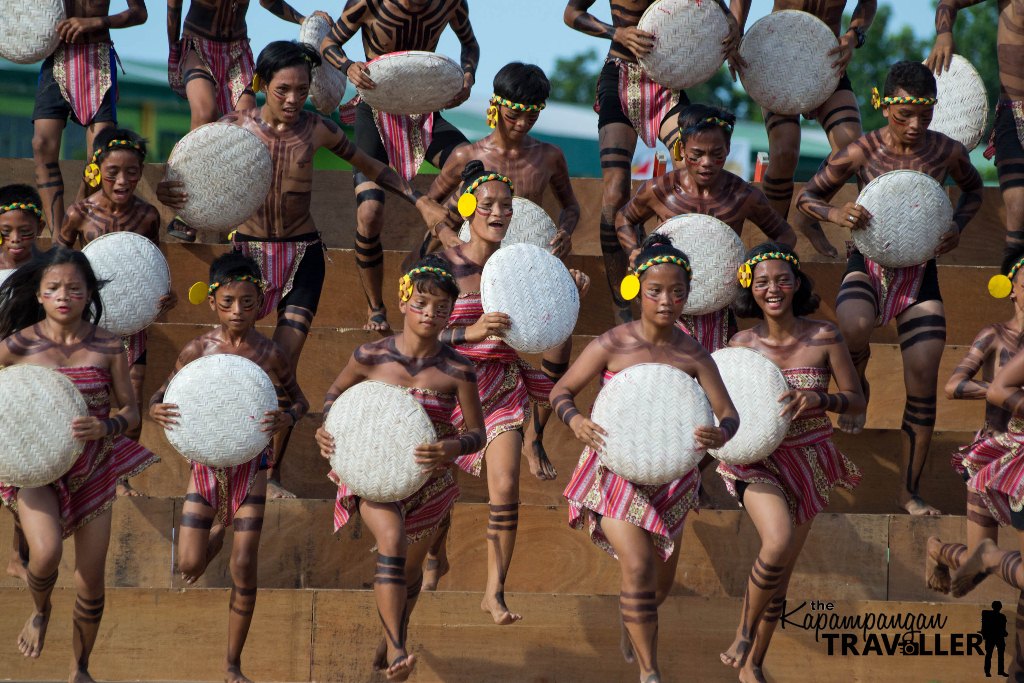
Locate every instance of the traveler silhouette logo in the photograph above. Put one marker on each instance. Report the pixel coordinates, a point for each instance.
(993, 630)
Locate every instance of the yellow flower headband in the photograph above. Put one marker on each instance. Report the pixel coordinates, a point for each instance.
(677, 146)
(878, 101)
(92, 173)
(630, 285)
(467, 202)
(198, 292)
(497, 101)
(1000, 286)
(745, 274)
(405, 286)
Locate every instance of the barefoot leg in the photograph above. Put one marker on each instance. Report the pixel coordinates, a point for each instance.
(502, 459)
(39, 513)
(783, 155)
(554, 363)
(369, 252)
(855, 310)
(292, 329)
(939, 559)
(617, 142)
(244, 564)
(91, 543)
(194, 534)
(436, 565)
(46, 141)
(17, 566)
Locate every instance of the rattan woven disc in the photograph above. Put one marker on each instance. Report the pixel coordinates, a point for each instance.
(754, 384)
(649, 412)
(376, 427)
(4, 274)
(962, 109)
(530, 225)
(30, 29)
(222, 400)
(226, 171)
(537, 292)
(328, 84)
(412, 82)
(909, 214)
(36, 446)
(136, 276)
(688, 35)
(715, 252)
(789, 69)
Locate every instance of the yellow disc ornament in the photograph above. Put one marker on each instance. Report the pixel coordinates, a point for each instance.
(745, 275)
(92, 174)
(197, 293)
(629, 288)
(467, 205)
(1000, 286)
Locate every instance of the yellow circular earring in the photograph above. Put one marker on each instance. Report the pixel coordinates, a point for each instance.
(467, 205)
(999, 286)
(197, 293)
(629, 288)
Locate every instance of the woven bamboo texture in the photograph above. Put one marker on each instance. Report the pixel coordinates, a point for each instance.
(328, 84)
(715, 252)
(376, 428)
(30, 29)
(222, 400)
(909, 214)
(754, 384)
(537, 292)
(36, 446)
(962, 108)
(412, 82)
(688, 35)
(226, 171)
(135, 276)
(4, 274)
(649, 412)
(789, 70)
(530, 224)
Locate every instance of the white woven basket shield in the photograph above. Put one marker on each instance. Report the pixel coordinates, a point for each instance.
(789, 69)
(715, 252)
(537, 292)
(222, 400)
(530, 224)
(649, 412)
(226, 171)
(962, 108)
(30, 29)
(136, 276)
(4, 274)
(688, 35)
(376, 427)
(36, 445)
(909, 214)
(328, 84)
(754, 384)
(412, 82)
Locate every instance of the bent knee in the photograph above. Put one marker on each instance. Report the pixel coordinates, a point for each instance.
(637, 573)
(45, 146)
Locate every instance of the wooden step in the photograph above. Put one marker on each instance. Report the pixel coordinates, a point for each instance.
(330, 636)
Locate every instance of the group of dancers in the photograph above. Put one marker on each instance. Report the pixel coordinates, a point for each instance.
(488, 406)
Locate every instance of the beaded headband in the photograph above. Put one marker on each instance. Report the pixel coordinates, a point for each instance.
(467, 202)
(405, 286)
(677, 146)
(1000, 286)
(498, 101)
(198, 292)
(92, 173)
(878, 101)
(23, 206)
(745, 274)
(630, 285)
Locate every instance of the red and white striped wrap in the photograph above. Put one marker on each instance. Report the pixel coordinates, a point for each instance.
(644, 102)
(896, 289)
(711, 330)
(278, 262)
(229, 62)
(134, 346)
(1000, 479)
(83, 74)
(226, 488)
(406, 139)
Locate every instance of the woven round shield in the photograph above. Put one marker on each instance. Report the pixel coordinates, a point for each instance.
(715, 252)
(649, 412)
(537, 292)
(688, 35)
(376, 427)
(910, 212)
(4, 274)
(962, 108)
(36, 446)
(135, 276)
(530, 225)
(412, 82)
(30, 29)
(328, 84)
(754, 384)
(789, 69)
(222, 400)
(226, 171)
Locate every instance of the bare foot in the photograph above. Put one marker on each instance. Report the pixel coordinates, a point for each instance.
(16, 567)
(936, 574)
(81, 676)
(626, 645)
(433, 570)
(752, 674)
(736, 655)
(537, 458)
(380, 657)
(30, 640)
(401, 668)
(126, 489)
(377, 321)
(972, 570)
(276, 491)
(653, 677)
(213, 547)
(495, 605)
(233, 674)
(916, 507)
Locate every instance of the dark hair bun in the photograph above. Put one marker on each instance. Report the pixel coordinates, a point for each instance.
(473, 170)
(656, 239)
